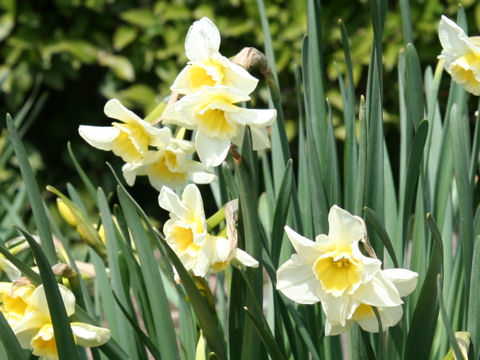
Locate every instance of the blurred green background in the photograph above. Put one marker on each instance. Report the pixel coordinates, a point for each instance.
(69, 56)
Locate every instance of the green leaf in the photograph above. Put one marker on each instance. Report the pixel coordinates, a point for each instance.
(86, 181)
(265, 335)
(34, 197)
(164, 329)
(20, 265)
(373, 219)
(464, 191)
(414, 87)
(446, 322)
(474, 304)
(281, 211)
(124, 36)
(141, 17)
(120, 65)
(420, 335)
(61, 323)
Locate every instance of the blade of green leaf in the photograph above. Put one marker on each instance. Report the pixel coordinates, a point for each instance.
(36, 201)
(61, 324)
(474, 304)
(446, 322)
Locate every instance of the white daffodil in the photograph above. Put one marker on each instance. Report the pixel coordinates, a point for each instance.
(129, 139)
(334, 271)
(206, 66)
(186, 233)
(35, 331)
(169, 166)
(461, 54)
(14, 299)
(219, 122)
(405, 282)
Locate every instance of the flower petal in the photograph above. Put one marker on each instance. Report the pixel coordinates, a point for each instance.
(88, 335)
(203, 40)
(100, 137)
(307, 248)
(211, 151)
(344, 228)
(170, 201)
(296, 280)
(331, 330)
(379, 291)
(404, 280)
(389, 316)
(39, 300)
(243, 259)
(116, 110)
(453, 39)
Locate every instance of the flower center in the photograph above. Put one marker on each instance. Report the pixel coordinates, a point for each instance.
(183, 239)
(200, 77)
(214, 123)
(337, 273)
(164, 171)
(466, 71)
(132, 142)
(362, 312)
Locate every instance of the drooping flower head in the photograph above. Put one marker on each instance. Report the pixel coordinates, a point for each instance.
(206, 66)
(461, 54)
(128, 139)
(219, 121)
(14, 299)
(186, 233)
(334, 271)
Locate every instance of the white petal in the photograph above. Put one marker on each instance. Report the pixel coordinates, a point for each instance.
(379, 291)
(404, 280)
(331, 330)
(200, 173)
(242, 258)
(100, 137)
(453, 39)
(296, 280)
(389, 317)
(192, 199)
(88, 335)
(344, 228)
(211, 151)
(129, 173)
(169, 201)
(114, 109)
(338, 308)
(237, 77)
(260, 140)
(257, 117)
(203, 40)
(222, 249)
(303, 246)
(27, 328)
(39, 300)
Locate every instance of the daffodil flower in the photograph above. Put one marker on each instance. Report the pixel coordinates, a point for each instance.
(14, 299)
(405, 282)
(128, 139)
(219, 122)
(334, 271)
(35, 330)
(186, 233)
(461, 55)
(169, 166)
(206, 66)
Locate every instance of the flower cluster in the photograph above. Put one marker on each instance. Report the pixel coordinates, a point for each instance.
(26, 310)
(186, 233)
(213, 90)
(334, 271)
